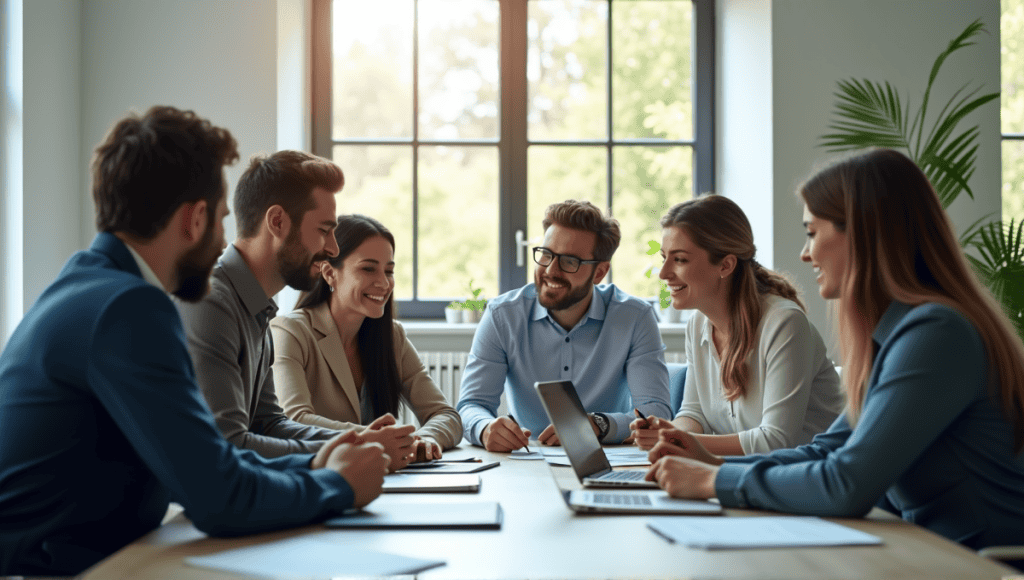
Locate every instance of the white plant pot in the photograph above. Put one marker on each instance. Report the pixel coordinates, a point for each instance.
(670, 315)
(453, 315)
(471, 316)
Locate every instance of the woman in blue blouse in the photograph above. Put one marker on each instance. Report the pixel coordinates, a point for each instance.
(933, 370)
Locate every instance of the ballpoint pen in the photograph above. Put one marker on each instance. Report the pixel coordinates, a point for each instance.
(642, 416)
(517, 425)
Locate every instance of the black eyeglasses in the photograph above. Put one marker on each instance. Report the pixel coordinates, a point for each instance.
(568, 264)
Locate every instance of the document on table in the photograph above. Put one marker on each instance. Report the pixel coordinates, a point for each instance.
(426, 482)
(711, 533)
(311, 557)
(526, 455)
(617, 456)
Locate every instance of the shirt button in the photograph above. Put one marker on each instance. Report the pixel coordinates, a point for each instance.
(567, 339)
(566, 368)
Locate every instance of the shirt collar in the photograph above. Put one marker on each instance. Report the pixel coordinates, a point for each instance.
(597, 309)
(245, 284)
(892, 317)
(147, 273)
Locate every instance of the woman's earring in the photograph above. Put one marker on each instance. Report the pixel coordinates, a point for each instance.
(331, 287)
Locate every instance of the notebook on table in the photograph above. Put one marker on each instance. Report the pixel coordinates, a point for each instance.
(475, 515)
(572, 425)
(436, 467)
(429, 483)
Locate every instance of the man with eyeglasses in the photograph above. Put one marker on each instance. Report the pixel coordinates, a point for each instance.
(564, 327)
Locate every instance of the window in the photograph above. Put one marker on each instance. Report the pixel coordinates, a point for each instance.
(1012, 102)
(457, 122)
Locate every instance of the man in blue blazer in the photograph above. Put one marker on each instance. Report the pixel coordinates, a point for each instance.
(101, 421)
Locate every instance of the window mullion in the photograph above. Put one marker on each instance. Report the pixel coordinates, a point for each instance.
(512, 141)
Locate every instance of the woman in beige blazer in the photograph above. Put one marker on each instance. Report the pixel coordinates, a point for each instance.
(342, 361)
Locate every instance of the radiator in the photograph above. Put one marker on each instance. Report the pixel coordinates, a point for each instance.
(445, 369)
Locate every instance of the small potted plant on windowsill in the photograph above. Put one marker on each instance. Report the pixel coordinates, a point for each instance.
(469, 310)
(453, 312)
(473, 307)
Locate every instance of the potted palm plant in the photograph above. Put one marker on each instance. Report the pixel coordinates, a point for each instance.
(872, 114)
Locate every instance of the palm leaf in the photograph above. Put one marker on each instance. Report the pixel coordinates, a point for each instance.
(956, 44)
(950, 169)
(870, 115)
(1001, 265)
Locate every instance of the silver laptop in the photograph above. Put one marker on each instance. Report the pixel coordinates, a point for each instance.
(579, 441)
(619, 501)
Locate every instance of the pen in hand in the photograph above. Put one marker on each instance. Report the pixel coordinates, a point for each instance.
(641, 416)
(517, 425)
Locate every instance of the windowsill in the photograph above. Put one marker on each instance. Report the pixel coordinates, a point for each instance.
(438, 335)
(420, 327)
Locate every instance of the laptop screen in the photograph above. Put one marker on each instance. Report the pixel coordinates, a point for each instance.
(573, 428)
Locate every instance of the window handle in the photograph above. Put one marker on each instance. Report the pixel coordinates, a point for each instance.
(521, 244)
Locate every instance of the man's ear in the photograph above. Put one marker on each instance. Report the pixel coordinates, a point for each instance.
(277, 221)
(193, 220)
(600, 271)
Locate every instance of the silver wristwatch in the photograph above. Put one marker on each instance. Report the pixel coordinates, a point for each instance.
(602, 425)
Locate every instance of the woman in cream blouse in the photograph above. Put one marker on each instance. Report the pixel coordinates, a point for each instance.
(341, 359)
(759, 378)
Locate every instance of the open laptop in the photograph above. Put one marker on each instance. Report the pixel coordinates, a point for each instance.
(591, 465)
(579, 441)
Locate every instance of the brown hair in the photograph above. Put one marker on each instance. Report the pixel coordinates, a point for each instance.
(148, 166)
(286, 178)
(583, 215)
(919, 261)
(718, 226)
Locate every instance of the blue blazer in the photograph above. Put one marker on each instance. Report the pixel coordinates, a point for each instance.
(102, 424)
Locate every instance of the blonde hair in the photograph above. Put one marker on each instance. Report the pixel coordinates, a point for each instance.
(919, 261)
(718, 226)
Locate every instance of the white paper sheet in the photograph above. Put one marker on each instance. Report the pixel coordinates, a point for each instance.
(712, 533)
(310, 557)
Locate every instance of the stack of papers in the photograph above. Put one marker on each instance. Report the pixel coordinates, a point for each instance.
(758, 532)
(310, 557)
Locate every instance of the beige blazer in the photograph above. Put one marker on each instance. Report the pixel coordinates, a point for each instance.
(315, 384)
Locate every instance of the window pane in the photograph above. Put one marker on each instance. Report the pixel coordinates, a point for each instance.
(567, 91)
(372, 68)
(559, 173)
(458, 62)
(651, 82)
(458, 225)
(378, 183)
(1012, 38)
(647, 181)
(1013, 180)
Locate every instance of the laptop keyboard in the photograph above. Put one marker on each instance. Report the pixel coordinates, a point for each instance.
(622, 499)
(626, 475)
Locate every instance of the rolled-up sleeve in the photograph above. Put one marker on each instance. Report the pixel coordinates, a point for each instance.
(646, 375)
(483, 380)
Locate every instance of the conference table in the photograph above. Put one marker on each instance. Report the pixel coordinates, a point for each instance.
(541, 538)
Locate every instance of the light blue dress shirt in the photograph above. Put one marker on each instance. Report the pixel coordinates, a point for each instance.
(931, 442)
(614, 356)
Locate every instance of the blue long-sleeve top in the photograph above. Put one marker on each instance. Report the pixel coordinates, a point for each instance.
(614, 356)
(931, 440)
(102, 425)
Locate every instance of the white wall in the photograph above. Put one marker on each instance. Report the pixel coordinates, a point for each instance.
(217, 57)
(813, 44)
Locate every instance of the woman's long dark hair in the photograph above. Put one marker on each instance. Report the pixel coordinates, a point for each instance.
(376, 335)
